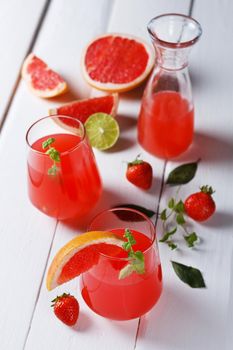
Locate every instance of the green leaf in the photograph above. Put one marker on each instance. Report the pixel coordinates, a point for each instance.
(139, 255)
(163, 215)
(191, 239)
(179, 207)
(126, 271)
(131, 216)
(53, 154)
(189, 275)
(171, 203)
(48, 142)
(180, 219)
(138, 262)
(130, 238)
(53, 170)
(171, 245)
(182, 174)
(167, 235)
(136, 259)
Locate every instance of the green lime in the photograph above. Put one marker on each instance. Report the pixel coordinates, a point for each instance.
(102, 130)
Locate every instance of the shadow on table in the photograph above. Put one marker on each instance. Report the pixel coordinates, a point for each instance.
(209, 147)
(67, 97)
(220, 220)
(135, 94)
(126, 122)
(84, 323)
(108, 199)
(122, 144)
(179, 322)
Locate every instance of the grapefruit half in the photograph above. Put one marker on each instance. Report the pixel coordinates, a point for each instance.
(117, 62)
(80, 254)
(82, 109)
(42, 80)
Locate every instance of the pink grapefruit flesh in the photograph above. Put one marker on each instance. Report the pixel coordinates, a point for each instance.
(80, 254)
(117, 62)
(82, 109)
(42, 80)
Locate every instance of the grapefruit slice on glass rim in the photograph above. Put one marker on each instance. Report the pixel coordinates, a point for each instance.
(117, 62)
(42, 80)
(82, 109)
(80, 254)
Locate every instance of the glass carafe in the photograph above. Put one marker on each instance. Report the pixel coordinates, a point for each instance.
(166, 119)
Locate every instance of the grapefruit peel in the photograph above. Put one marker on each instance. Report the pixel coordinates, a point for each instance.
(119, 87)
(31, 76)
(74, 109)
(72, 248)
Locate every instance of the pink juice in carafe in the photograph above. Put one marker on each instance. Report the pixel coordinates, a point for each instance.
(165, 125)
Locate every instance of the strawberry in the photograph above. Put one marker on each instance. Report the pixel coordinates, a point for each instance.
(139, 173)
(66, 308)
(200, 206)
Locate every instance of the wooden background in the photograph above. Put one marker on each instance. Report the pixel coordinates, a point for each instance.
(184, 319)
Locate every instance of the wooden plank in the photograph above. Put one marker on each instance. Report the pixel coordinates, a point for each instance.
(186, 318)
(26, 234)
(18, 23)
(93, 331)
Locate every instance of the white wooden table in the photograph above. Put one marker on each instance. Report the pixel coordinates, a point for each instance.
(184, 319)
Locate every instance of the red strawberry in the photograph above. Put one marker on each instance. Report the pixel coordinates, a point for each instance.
(66, 308)
(140, 173)
(200, 206)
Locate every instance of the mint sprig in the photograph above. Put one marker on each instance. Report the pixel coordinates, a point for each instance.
(53, 154)
(136, 259)
(173, 217)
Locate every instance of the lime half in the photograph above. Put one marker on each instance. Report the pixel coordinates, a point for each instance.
(102, 130)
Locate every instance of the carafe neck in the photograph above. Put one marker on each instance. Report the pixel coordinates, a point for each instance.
(173, 35)
(172, 59)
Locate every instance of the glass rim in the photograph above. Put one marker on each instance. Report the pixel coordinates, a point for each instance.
(152, 226)
(170, 44)
(53, 117)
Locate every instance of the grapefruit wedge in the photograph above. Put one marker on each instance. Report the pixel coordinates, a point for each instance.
(117, 62)
(80, 254)
(42, 80)
(82, 109)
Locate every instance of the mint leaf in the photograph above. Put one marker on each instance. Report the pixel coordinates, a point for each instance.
(182, 174)
(180, 219)
(179, 207)
(139, 255)
(128, 235)
(136, 259)
(163, 215)
(48, 142)
(189, 275)
(126, 271)
(171, 203)
(171, 245)
(53, 170)
(191, 239)
(167, 235)
(53, 154)
(138, 262)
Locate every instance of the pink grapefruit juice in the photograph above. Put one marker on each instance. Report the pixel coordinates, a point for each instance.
(76, 187)
(165, 125)
(127, 298)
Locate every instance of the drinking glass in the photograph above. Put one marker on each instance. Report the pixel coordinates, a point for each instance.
(131, 297)
(69, 186)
